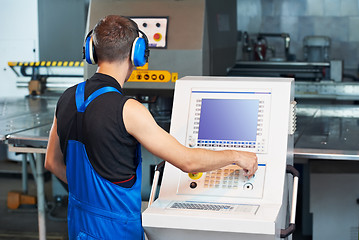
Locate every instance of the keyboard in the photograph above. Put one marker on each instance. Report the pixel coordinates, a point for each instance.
(218, 207)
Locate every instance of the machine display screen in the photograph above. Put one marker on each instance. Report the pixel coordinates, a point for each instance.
(228, 119)
(232, 119)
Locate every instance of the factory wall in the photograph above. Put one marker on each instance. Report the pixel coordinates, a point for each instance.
(61, 29)
(337, 19)
(18, 41)
(39, 30)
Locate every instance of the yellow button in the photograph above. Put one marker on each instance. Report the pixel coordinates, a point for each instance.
(195, 176)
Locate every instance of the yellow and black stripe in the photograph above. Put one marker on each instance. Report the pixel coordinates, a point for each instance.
(47, 64)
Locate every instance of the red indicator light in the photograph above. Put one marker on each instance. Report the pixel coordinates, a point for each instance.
(157, 36)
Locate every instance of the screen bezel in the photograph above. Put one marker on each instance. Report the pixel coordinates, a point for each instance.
(264, 97)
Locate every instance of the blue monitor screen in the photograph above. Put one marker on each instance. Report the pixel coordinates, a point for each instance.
(228, 119)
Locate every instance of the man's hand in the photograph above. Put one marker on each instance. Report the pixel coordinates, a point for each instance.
(248, 161)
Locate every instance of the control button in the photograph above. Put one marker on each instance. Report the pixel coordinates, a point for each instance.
(247, 186)
(146, 77)
(161, 77)
(144, 24)
(195, 176)
(154, 77)
(158, 25)
(139, 76)
(157, 37)
(193, 185)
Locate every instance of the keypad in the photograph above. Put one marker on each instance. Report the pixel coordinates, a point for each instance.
(222, 178)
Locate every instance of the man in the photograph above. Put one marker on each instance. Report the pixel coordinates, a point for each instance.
(93, 143)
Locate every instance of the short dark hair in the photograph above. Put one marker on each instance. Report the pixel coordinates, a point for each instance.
(113, 37)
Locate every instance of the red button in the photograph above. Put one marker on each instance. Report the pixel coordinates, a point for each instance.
(157, 36)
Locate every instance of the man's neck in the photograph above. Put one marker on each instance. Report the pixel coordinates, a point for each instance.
(117, 70)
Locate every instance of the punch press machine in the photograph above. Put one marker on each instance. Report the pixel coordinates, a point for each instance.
(240, 113)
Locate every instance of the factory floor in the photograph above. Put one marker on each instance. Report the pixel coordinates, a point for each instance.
(22, 223)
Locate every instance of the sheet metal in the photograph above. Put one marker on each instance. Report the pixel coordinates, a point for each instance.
(21, 114)
(327, 132)
(12, 107)
(35, 137)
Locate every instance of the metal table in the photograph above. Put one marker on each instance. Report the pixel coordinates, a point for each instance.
(34, 141)
(24, 126)
(327, 132)
(327, 142)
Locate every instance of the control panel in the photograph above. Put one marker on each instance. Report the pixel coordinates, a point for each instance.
(228, 181)
(228, 113)
(155, 29)
(222, 119)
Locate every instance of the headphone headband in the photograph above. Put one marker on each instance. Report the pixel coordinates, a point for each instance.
(139, 52)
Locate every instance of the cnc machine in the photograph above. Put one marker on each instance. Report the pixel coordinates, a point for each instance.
(247, 114)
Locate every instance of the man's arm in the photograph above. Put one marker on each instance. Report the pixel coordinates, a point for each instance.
(54, 160)
(140, 124)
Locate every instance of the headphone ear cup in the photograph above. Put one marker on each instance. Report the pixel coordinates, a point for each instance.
(90, 54)
(138, 52)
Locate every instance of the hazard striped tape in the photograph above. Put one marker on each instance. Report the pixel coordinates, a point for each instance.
(47, 64)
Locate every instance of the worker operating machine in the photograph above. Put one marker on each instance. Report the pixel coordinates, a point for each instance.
(217, 113)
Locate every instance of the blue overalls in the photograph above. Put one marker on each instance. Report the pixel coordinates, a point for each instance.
(99, 209)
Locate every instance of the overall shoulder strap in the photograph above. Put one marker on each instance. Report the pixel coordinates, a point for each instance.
(81, 103)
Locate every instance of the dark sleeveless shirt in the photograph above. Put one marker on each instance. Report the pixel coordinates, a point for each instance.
(110, 148)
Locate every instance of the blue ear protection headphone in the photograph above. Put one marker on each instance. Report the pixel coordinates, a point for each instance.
(88, 50)
(139, 51)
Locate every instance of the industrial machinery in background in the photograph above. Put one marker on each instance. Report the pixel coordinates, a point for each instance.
(318, 76)
(260, 50)
(316, 48)
(47, 77)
